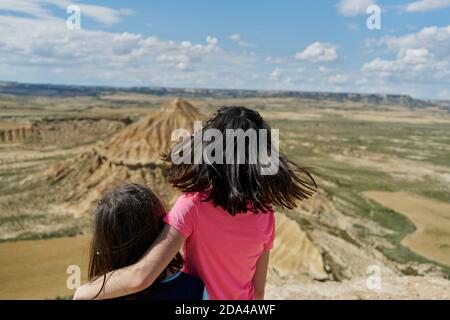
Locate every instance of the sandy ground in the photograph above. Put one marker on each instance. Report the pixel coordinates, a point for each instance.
(286, 115)
(398, 115)
(432, 220)
(391, 116)
(293, 252)
(410, 170)
(387, 287)
(37, 269)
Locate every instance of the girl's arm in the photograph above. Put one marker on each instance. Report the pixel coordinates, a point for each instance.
(259, 279)
(138, 276)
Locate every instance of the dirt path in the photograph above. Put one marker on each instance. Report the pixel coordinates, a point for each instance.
(36, 269)
(431, 218)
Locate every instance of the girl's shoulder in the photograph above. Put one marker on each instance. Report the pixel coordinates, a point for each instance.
(187, 202)
(195, 197)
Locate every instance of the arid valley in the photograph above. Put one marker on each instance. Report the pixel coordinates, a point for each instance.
(382, 164)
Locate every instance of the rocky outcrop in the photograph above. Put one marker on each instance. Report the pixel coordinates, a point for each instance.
(131, 155)
(335, 235)
(143, 142)
(294, 254)
(16, 135)
(317, 242)
(59, 133)
(345, 253)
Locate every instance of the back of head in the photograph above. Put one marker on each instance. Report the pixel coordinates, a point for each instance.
(235, 179)
(127, 221)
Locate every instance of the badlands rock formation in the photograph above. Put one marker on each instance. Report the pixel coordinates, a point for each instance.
(131, 155)
(54, 133)
(294, 254)
(143, 142)
(314, 243)
(134, 155)
(16, 134)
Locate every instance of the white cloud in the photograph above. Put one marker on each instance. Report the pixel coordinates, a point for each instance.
(338, 79)
(435, 39)
(323, 69)
(39, 43)
(40, 9)
(104, 15)
(274, 60)
(212, 42)
(236, 37)
(415, 56)
(36, 46)
(354, 7)
(408, 61)
(427, 5)
(276, 73)
(421, 59)
(28, 7)
(101, 14)
(416, 63)
(318, 52)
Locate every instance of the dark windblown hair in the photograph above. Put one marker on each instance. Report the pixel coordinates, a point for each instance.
(239, 188)
(127, 221)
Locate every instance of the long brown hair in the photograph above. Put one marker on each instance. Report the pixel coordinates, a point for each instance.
(240, 187)
(127, 221)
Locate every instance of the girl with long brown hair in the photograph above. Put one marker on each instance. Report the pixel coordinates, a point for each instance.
(127, 221)
(224, 219)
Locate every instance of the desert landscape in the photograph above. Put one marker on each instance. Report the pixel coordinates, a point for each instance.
(381, 162)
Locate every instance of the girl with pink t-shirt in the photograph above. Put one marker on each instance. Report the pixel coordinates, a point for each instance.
(224, 220)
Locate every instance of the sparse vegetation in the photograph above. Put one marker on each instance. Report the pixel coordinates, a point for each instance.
(398, 149)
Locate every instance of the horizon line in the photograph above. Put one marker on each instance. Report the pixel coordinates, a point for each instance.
(124, 87)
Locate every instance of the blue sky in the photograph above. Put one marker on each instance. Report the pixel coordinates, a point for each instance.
(320, 45)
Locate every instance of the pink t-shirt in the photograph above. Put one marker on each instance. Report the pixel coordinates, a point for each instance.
(219, 248)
